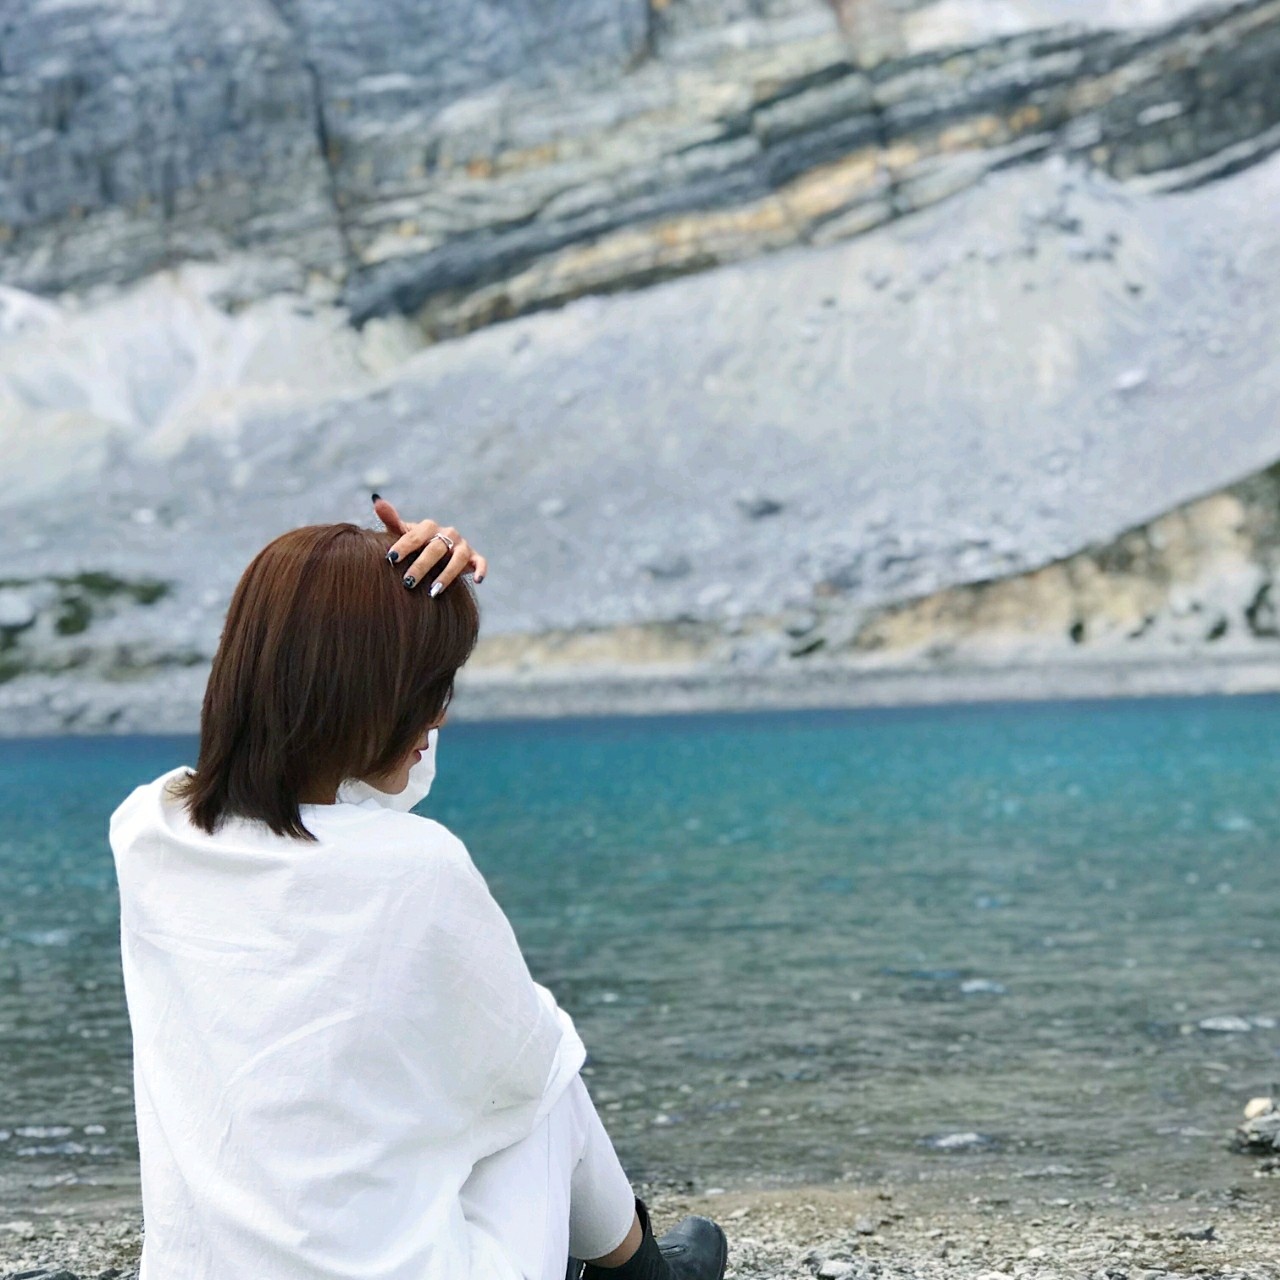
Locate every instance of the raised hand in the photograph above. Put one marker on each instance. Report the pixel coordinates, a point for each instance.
(433, 542)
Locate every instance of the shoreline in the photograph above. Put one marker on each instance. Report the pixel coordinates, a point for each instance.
(677, 690)
(958, 1228)
(43, 706)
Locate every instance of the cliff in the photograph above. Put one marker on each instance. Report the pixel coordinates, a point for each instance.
(873, 454)
(466, 162)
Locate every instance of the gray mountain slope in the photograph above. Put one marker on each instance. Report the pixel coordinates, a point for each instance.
(1031, 367)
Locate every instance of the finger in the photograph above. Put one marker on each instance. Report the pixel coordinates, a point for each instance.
(434, 550)
(388, 515)
(481, 566)
(458, 561)
(414, 538)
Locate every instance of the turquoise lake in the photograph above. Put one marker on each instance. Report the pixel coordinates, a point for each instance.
(988, 941)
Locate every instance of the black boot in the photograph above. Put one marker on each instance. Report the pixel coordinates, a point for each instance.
(695, 1250)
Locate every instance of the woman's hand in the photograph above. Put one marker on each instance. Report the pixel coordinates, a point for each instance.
(416, 536)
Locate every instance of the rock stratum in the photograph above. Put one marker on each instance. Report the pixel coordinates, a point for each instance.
(819, 377)
(467, 162)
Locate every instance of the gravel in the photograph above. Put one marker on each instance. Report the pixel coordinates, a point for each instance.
(954, 1231)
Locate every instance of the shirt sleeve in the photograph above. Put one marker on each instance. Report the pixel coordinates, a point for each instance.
(491, 1049)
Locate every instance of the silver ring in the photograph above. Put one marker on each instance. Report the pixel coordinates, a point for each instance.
(448, 542)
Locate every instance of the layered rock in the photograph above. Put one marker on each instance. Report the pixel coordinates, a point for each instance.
(1205, 575)
(972, 392)
(134, 136)
(469, 162)
(1199, 582)
(791, 144)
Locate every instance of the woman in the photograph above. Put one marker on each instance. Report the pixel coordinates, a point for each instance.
(342, 1067)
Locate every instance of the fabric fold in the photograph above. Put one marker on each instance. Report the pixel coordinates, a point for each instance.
(327, 1037)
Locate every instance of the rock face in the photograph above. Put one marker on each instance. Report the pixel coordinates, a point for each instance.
(956, 419)
(1206, 574)
(136, 135)
(794, 144)
(884, 454)
(465, 162)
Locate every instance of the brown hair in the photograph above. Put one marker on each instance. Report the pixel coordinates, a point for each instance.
(328, 668)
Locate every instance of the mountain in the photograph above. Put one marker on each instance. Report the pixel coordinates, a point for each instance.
(847, 417)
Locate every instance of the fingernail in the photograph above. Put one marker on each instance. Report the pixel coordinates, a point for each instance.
(393, 556)
(376, 497)
(480, 577)
(409, 580)
(436, 588)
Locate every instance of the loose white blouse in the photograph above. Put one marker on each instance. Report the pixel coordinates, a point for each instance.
(326, 1038)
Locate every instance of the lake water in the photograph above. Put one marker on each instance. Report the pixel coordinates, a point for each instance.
(800, 946)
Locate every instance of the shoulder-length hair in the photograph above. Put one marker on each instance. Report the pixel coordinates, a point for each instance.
(328, 668)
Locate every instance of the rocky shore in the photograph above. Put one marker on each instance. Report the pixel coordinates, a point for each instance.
(957, 1231)
(52, 705)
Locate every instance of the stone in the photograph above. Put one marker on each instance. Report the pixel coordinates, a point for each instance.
(833, 1269)
(967, 1141)
(800, 622)
(1130, 380)
(1259, 1133)
(754, 652)
(982, 986)
(713, 594)
(23, 313)
(677, 566)
(1228, 1024)
(17, 612)
(755, 506)
(1196, 1233)
(1256, 1107)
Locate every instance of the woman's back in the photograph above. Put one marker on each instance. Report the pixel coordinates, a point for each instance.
(328, 1035)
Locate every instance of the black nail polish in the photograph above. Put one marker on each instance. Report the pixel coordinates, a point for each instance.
(393, 556)
(376, 497)
(409, 580)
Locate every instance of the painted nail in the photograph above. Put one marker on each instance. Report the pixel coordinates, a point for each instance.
(436, 589)
(409, 580)
(480, 577)
(393, 556)
(377, 497)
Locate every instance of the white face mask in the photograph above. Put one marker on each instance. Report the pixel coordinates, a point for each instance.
(353, 791)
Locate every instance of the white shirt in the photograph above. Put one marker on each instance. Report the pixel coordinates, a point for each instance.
(326, 1039)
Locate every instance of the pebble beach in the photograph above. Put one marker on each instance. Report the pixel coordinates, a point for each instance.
(855, 1233)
